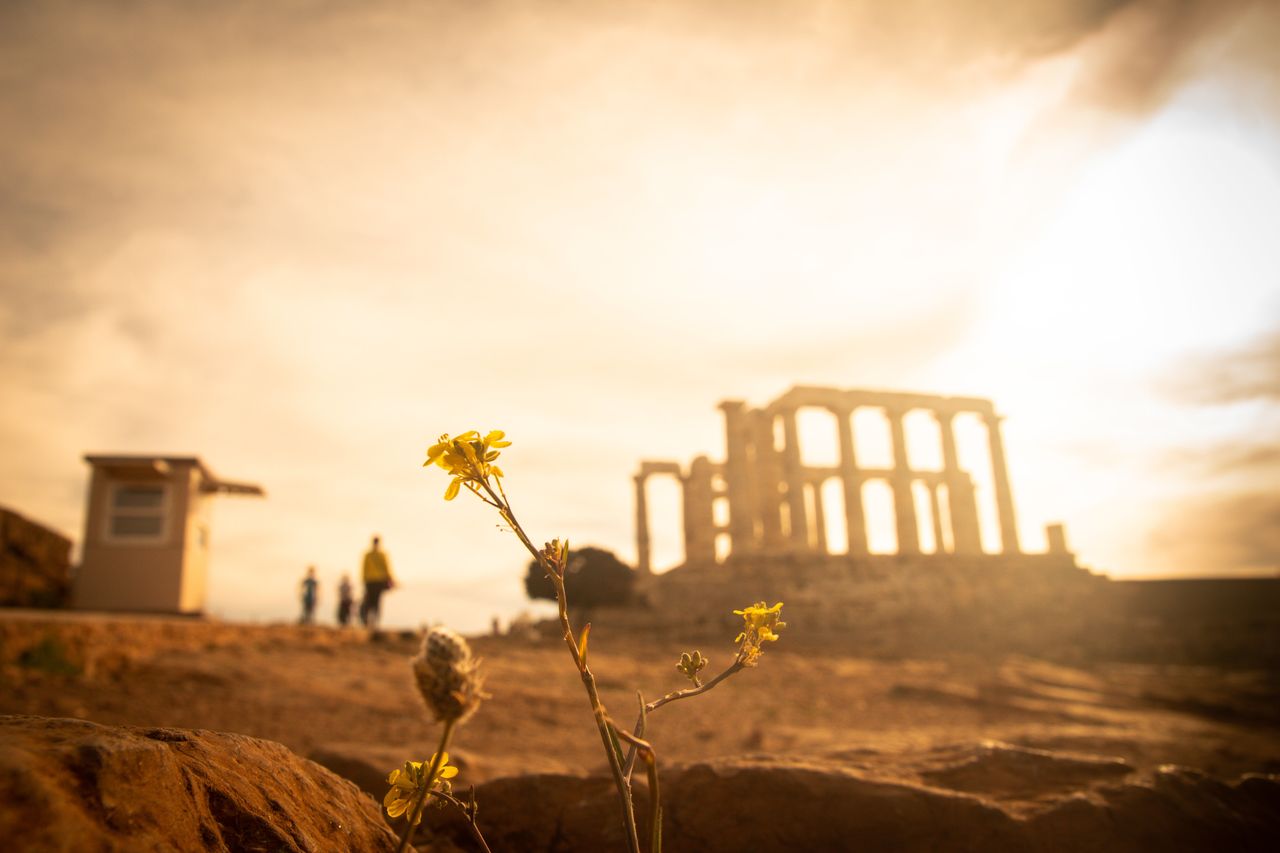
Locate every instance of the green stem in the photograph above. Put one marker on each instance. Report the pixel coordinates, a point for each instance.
(655, 798)
(687, 693)
(467, 813)
(436, 761)
(588, 680)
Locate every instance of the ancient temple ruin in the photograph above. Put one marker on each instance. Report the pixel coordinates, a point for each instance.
(775, 502)
(755, 528)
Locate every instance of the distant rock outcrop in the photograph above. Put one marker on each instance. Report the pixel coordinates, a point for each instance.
(75, 785)
(35, 563)
(1021, 801)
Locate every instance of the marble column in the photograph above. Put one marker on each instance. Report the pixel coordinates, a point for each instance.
(966, 503)
(737, 441)
(1056, 535)
(819, 545)
(699, 516)
(904, 508)
(643, 559)
(964, 523)
(1000, 480)
(794, 475)
(768, 472)
(939, 546)
(854, 518)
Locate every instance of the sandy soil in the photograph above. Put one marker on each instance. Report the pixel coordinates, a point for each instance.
(314, 688)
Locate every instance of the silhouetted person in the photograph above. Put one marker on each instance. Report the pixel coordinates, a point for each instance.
(376, 573)
(309, 590)
(346, 598)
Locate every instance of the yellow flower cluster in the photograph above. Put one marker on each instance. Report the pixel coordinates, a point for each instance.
(468, 458)
(761, 625)
(407, 784)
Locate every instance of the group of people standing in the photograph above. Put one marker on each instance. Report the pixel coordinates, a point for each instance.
(375, 572)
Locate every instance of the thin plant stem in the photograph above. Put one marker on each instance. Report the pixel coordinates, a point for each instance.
(468, 813)
(690, 692)
(607, 736)
(655, 798)
(436, 761)
(686, 693)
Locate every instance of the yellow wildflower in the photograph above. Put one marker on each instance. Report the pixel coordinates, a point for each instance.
(760, 625)
(407, 783)
(468, 458)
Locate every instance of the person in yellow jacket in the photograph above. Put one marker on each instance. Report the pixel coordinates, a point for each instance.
(376, 573)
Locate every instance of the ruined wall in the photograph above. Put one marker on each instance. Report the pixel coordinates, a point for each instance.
(1042, 605)
(887, 604)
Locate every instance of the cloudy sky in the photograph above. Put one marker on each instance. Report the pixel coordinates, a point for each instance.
(301, 239)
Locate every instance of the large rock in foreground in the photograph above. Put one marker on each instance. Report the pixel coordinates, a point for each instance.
(71, 785)
(1020, 801)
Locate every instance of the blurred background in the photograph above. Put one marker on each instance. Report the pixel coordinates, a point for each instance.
(303, 239)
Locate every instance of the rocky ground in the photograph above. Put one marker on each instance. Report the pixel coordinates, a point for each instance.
(1017, 738)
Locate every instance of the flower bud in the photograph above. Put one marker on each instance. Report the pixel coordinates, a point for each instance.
(691, 665)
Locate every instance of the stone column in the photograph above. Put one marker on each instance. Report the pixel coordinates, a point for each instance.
(737, 440)
(794, 475)
(1000, 479)
(854, 518)
(768, 474)
(939, 547)
(819, 519)
(699, 517)
(643, 559)
(904, 508)
(964, 524)
(1056, 536)
(966, 503)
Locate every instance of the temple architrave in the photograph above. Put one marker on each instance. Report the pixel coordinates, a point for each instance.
(775, 502)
